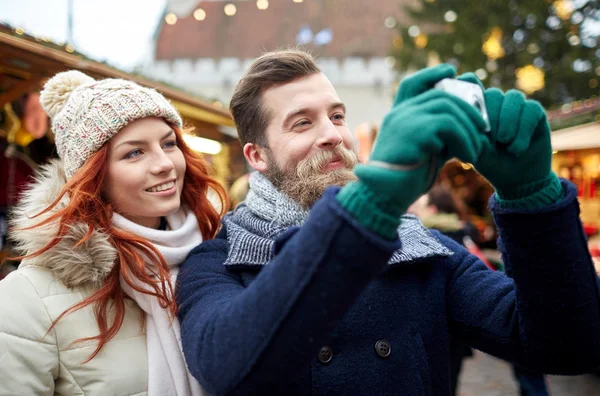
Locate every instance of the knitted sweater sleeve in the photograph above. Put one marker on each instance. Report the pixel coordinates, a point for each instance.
(238, 338)
(544, 313)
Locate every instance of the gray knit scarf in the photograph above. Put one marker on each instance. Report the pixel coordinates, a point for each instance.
(266, 213)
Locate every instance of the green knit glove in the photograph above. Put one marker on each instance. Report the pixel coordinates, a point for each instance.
(424, 129)
(517, 157)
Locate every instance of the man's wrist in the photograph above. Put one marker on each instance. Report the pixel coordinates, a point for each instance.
(533, 195)
(371, 209)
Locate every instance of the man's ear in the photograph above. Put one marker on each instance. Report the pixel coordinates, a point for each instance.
(256, 156)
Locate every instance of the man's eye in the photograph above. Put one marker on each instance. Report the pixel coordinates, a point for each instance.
(302, 123)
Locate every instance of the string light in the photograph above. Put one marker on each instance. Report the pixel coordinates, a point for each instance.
(262, 4)
(171, 19)
(574, 40)
(230, 9)
(533, 48)
(481, 74)
(414, 31)
(390, 61)
(450, 16)
(491, 65)
(199, 14)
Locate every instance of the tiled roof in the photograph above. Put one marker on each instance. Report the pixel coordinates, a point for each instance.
(357, 26)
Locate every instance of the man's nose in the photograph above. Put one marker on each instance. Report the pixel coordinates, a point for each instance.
(330, 137)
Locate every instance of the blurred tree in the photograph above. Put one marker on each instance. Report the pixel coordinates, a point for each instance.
(548, 49)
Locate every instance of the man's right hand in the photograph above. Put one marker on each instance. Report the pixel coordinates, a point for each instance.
(425, 128)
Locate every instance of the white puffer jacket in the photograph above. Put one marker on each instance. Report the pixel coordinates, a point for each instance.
(34, 361)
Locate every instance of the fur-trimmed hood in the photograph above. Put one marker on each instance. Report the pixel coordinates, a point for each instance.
(87, 264)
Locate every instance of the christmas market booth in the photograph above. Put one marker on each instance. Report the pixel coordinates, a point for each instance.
(26, 139)
(576, 155)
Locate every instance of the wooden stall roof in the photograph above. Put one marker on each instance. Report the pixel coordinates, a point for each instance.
(26, 62)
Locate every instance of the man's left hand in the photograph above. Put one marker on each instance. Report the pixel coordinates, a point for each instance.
(516, 159)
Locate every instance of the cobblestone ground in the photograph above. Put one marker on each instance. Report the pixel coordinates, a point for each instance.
(484, 375)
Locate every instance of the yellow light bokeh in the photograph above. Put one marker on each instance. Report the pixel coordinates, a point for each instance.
(433, 59)
(421, 40)
(492, 46)
(530, 79)
(563, 9)
(397, 42)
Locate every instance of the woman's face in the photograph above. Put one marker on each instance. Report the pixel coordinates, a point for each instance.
(145, 172)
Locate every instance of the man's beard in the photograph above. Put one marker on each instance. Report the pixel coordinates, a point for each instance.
(307, 181)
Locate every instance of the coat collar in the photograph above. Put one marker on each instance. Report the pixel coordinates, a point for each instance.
(417, 243)
(250, 250)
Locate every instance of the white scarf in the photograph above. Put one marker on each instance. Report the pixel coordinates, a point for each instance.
(167, 371)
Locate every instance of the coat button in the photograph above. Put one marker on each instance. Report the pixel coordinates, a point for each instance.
(383, 348)
(325, 354)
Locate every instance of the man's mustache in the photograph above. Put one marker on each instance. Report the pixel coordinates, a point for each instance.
(321, 159)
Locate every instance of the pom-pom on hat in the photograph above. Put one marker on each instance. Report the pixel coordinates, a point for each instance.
(86, 113)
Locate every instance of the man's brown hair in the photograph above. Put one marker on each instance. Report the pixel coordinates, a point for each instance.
(273, 68)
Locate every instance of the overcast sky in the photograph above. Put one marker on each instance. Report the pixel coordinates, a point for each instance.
(116, 31)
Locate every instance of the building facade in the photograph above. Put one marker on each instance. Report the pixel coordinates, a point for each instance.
(206, 51)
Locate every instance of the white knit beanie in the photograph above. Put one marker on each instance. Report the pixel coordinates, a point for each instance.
(86, 113)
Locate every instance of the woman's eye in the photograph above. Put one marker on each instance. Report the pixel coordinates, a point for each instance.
(338, 116)
(133, 154)
(170, 144)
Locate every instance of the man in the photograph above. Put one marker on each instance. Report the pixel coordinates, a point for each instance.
(307, 291)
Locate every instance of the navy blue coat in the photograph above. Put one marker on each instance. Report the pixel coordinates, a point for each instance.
(309, 322)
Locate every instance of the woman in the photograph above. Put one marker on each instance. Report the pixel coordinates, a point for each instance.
(91, 309)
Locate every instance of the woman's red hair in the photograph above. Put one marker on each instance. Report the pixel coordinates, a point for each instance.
(87, 205)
